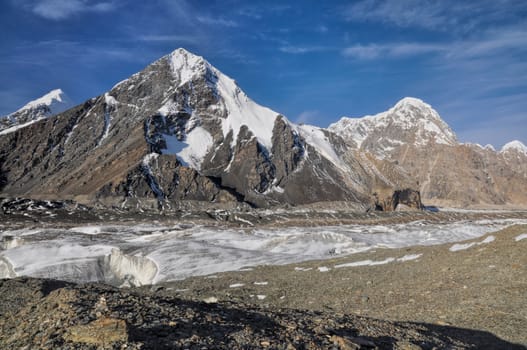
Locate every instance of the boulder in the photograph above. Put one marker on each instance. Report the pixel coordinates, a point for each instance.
(400, 200)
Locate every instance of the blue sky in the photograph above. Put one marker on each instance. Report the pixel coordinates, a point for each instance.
(313, 61)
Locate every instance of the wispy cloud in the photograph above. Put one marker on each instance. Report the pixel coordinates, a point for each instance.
(167, 38)
(446, 15)
(303, 49)
(53, 52)
(64, 9)
(219, 21)
(404, 13)
(374, 51)
(491, 43)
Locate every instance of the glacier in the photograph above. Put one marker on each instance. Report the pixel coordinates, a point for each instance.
(133, 255)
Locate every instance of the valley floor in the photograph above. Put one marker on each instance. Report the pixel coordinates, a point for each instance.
(479, 284)
(443, 291)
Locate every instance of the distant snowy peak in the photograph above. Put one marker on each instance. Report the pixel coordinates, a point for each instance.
(55, 100)
(490, 147)
(52, 103)
(487, 147)
(410, 121)
(514, 146)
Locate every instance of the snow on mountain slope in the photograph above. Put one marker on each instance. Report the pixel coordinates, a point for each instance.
(317, 138)
(193, 149)
(50, 104)
(410, 121)
(515, 145)
(241, 110)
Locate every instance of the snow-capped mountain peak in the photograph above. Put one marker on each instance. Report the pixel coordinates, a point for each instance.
(54, 102)
(411, 111)
(515, 145)
(413, 102)
(238, 108)
(186, 65)
(409, 121)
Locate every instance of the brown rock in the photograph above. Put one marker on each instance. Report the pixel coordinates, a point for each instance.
(407, 198)
(343, 343)
(103, 331)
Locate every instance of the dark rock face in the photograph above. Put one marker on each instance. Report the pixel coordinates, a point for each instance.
(250, 169)
(288, 150)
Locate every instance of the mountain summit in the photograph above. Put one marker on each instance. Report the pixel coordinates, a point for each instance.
(410, 121)
(50, 104)
(514, 146)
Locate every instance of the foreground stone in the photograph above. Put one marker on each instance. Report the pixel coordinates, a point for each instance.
(103, 331)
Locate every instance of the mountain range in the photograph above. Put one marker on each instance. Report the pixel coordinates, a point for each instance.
(182, 134)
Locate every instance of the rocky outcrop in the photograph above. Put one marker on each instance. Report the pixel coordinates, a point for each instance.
(287, 150)
(398, 200)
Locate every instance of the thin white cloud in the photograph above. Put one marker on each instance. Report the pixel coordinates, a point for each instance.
(168, 38)
(217, 21)
(489, 44)
(302, 49)
(403, 13)
(446, 15)
(496, 41)
(393, 50)
(364, 52)
(64, 9)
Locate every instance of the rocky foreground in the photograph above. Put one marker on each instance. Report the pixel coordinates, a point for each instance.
(469, 297)
(48, 314)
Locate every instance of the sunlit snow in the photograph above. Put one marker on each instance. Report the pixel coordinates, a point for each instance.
(193, 149)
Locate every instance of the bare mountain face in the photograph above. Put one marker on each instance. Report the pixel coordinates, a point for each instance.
(50, 104)
(412, 136)
(182, 133)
